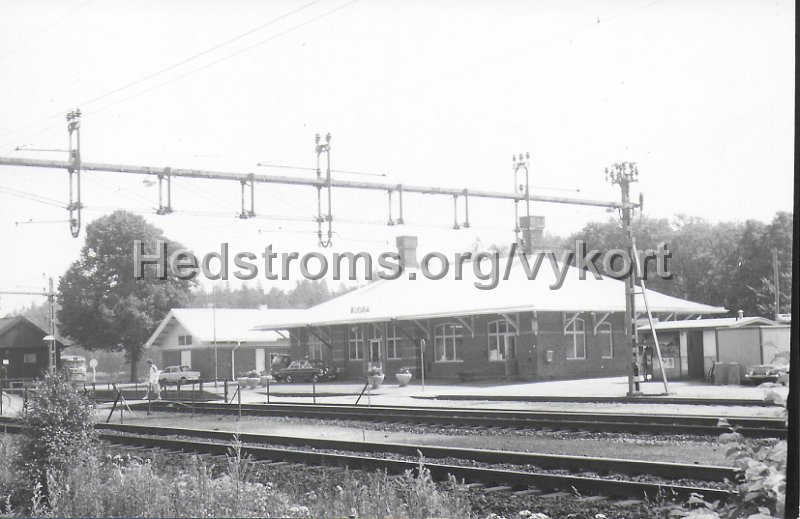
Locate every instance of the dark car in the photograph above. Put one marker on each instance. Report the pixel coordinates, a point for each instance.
(775, 371)
(313, 370)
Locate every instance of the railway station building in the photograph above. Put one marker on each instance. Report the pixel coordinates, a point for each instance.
(522, 329)
(219, 342)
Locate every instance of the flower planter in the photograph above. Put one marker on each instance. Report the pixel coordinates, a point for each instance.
(252, 382)
(403, 378)
(264, 380)
(375, 381)
(242, 381)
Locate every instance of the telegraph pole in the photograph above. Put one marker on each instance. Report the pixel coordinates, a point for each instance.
(624, 174)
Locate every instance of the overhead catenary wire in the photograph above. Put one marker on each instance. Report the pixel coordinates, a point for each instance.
(164, 69)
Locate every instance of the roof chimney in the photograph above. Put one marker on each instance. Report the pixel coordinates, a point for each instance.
(740, 315)
(407, 248)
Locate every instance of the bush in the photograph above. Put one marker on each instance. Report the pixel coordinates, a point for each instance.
(57, 430)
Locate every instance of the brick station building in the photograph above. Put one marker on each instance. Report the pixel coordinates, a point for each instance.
(519, 330)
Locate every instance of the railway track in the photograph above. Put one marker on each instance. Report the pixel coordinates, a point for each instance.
(492, 418)
(491, 470)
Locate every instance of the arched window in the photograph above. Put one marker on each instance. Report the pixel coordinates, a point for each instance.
(502, 341)
(576, 339)
(447, 339)
(605, 340)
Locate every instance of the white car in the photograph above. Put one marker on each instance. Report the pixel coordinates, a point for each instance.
(175, 374)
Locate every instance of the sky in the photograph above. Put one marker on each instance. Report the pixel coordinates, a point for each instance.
(699, 94)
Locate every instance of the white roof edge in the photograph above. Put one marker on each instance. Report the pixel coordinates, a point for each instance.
(464, 313)
(163, 324)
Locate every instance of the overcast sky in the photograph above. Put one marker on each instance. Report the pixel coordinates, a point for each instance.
(443, 93)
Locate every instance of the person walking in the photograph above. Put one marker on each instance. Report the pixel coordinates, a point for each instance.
(152, 381)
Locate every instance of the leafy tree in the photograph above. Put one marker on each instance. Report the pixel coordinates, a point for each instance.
(103, 307)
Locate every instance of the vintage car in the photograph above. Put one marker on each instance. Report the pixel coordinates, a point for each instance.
(175, 374)
(313, 370)
(775, 371)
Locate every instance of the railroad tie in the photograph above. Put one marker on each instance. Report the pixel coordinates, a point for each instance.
(470, 486)
(629, 502)
(554, 495)
(528, 492)
(499, 488)
(591, 499)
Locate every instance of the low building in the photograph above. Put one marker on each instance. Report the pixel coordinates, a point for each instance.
(689, 348)
(23, 351)
(450, 328)
(219, 343)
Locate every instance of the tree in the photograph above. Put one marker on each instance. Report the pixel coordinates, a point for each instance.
(103, 307)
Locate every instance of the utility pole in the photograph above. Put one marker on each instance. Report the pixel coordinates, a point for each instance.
(74, 168)
(326, 149)
(624, 174)
(522, 163)
(777, 285)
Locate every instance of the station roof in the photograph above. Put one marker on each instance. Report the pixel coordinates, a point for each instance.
(422, 298)
(221, 324)
(720, 322)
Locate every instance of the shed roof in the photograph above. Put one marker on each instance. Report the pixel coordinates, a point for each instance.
(422, 298)
(720, 322)
(221, 324)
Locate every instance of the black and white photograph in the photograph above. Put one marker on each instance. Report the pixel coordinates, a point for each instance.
(398, 259)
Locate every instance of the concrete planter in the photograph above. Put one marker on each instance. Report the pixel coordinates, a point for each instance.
(375, 381)
(403, 378)
(264, 380)
(252, 382)
(242, 381)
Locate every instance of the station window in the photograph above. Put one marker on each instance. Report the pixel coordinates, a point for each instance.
(392, 342)
(502, 341)
(447, 341)
(576, 348)
(605, 340)
(184, 340)
(315, 346)
(355, 345)
(29, 358)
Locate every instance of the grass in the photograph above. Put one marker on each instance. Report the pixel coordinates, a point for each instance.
(109, 485)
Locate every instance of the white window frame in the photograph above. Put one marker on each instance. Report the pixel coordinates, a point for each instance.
(182, 340)
(572, 330)
(392, 343)
(356, 343)
(606, 329)
(502, 332)
(315, 347)
(448, 335)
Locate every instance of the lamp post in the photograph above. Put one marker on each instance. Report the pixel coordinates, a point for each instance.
(624, 174)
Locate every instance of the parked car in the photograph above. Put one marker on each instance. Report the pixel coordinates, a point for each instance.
(313, 370)
(775, 371)
(175, 374)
